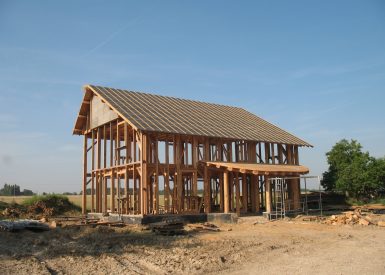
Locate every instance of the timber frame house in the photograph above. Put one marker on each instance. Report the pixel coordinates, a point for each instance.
(148, 154)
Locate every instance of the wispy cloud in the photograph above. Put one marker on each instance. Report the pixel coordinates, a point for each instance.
(111, 37)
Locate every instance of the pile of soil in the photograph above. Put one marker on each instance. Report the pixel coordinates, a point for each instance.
(40, 206)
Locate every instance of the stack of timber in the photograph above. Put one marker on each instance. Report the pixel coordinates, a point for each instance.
(168, 227)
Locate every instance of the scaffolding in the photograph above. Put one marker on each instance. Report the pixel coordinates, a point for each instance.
(282, 204)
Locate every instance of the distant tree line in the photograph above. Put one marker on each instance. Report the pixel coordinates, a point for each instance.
(354, 172)
(14, 190)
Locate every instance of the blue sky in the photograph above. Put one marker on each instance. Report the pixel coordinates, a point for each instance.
(316, 69)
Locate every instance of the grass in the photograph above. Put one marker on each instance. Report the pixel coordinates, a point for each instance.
(353, 201)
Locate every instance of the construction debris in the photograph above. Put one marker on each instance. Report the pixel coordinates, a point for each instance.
(16, 226)
(205, 226)
(167, 227)
(353, 217)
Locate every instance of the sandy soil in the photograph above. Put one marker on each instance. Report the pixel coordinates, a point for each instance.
(287, 247)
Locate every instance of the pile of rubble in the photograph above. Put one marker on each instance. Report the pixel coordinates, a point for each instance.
(169, 226)
(353, 218)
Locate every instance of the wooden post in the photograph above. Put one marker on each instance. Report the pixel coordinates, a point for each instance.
(206, 178)
(267, 152)
(104, 195)
(244, 193)
(92, 172)
(237, 194)
(112, 192)
(226, 191)
(195, 165)
(257, 197)
(268, 194)
(98, 166)
(84, 194)
(221, 194)
(253, 191)
(167, 179)
(156, 178)
(295, 186)
(126, 191)
(143, 176)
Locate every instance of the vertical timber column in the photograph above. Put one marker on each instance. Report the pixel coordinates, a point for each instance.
(143, 175)
(244, 193)
(84, 194)
(98, 177)
(221, 194)
(207, 187)
(127, 144)
(112, 191)
(104, 195)
(195, 165)
(237, 194)
(92, 172)
(253, 191)
(156, 177)
(268, 194)
(167, 179)
(179, 179)
(226, 191)
(257, 197)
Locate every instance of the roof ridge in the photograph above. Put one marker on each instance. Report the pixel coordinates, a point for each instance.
(166, 96)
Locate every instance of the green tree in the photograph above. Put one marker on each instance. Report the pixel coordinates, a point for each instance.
(352, 171)
(10, 190)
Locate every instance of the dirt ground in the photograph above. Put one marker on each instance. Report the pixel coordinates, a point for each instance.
(285, 247)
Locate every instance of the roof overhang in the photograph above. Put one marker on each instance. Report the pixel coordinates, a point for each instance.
(258, 168)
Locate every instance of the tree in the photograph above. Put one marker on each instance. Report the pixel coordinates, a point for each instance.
(352, 171)
(10, 190)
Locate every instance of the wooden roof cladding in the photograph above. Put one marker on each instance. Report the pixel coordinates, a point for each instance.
(257, 168)
(155, 113)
